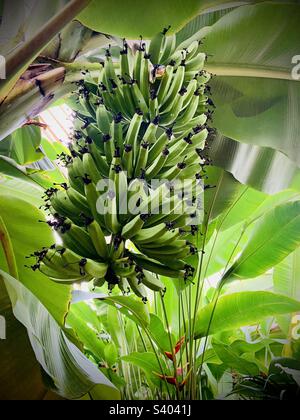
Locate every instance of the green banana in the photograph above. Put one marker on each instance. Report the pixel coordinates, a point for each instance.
(152, 282)
(86, 105)
(142, 118)
(191, 89)
(196, 63)
(124, 286)
(190, 111)
(109, 147)
(192, 50)
(165, 239)
(94, 198)
(168, 117)
(126, 71)
(111, 215)
(153, 107)
(127, 161)
(160, 144)
(157, 165)
(138, 62)
(173, 172)
(78, 241)
(197, 121)
(103, 118)
(63, 278)
(165, 83)
(174, 88)
(148, 235)
(156, 46)
(169, 46)
(155, 267)
(101, 163)
(133, 227)
(142, 158)
(137, 287)
(79, 201)
(94, 269)
(98, 239)
(62, 205)
(117, 132)
(90, 168)
(128, 98)
(138, 98)
(134, 129)
(145, 77)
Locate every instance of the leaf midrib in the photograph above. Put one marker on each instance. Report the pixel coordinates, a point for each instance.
(245, 70)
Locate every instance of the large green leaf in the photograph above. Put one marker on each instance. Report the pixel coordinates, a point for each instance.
(286, 276)
(149, 364)
(223, 194)
(253, 204)
(129, 306)
(26, 234)
(241, 309)
(84, 321)
(159, 334)
(72, 374)
(23, 145)
(27, 191)
(200, 24)
(133, 18)
(20, 20)
(286, 279)
(251, 49)
(222, 247)
(274, 237)
(254, 165)
(231, 359)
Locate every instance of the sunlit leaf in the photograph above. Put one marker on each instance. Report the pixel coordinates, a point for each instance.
(274, 237)
(241, 309)
(27, 235)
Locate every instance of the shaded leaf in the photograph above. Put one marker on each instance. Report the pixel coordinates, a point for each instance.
(148, 363)
(235, 362)
(73, 375)
(255, 94)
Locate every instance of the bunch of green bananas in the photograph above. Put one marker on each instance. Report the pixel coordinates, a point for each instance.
(144, 118)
